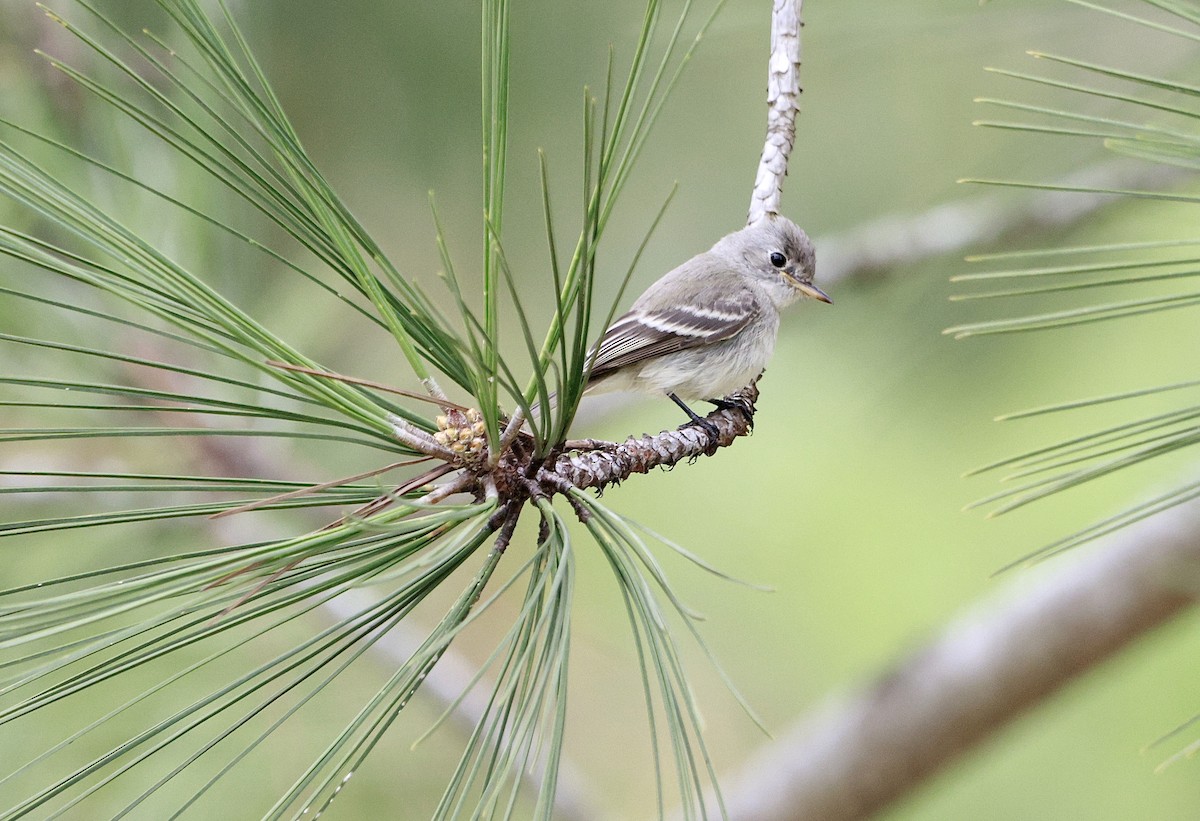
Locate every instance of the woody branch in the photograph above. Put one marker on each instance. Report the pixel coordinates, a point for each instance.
(783, 103)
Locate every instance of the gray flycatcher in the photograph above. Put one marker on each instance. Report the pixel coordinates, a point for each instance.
(708, 327)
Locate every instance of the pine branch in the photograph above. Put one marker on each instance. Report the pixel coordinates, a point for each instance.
(443, 685)
(864, 752)
(520, 476)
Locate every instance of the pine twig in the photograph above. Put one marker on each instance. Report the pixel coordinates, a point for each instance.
(783, 103)
(600, 467)
(442, 685)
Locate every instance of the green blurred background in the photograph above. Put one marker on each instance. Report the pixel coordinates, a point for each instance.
(847, 498)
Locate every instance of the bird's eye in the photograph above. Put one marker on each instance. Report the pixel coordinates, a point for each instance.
(778, 259)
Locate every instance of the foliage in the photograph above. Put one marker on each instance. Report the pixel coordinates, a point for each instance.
(1149, 118)
(230, 613)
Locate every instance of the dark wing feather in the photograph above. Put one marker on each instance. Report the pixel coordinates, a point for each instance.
(646, 333)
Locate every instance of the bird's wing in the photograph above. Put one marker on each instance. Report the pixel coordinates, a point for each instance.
(646, 333)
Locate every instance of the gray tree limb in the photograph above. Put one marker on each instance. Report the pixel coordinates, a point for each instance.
(862, 752)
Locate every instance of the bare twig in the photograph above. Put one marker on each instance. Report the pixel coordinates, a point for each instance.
(511, 431)
(862, 753)
(419, 440)
(438, 395)
(783, 103)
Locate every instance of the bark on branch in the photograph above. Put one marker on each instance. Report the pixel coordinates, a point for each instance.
(783, 103)
(601, 467)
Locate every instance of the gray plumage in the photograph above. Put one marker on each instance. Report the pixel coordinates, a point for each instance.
(708, 327)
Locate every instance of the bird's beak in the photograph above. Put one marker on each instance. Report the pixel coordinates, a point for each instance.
(812, 291)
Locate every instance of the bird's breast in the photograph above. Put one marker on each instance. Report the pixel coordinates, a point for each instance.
(711, 371)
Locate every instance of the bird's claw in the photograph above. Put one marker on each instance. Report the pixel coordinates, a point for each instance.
(714, 434)
(738, 403)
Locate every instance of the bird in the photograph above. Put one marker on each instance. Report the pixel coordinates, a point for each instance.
(708, 327)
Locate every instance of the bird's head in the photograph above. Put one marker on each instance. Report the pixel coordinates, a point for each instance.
(779, 255)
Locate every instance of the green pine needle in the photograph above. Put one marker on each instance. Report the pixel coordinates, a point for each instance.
(234, 622)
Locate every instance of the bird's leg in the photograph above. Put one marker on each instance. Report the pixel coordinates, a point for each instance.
(738, 403)
(708, 426)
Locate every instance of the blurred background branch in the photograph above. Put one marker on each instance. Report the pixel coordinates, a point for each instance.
(862, 752)
(891, 242)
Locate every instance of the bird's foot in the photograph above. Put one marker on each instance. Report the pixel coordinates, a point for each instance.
(739, 403)
(714, 433)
